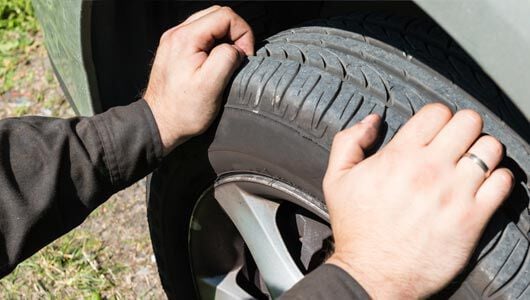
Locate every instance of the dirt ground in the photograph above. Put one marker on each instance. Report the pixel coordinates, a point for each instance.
(109, 256)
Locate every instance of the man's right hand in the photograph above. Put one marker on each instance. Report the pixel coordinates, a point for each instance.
(193, 64)
(406, 219)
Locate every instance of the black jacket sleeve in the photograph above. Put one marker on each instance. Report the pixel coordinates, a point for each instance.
(326, 282)
(54, 172)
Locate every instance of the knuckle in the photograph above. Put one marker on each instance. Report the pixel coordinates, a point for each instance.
(473, 116)
(173, 35)
(506, 177)
(367, 130)
(230, 52)
(165, 36)
(493, 145)
(440, 109)
(227, 10)
(179, 33)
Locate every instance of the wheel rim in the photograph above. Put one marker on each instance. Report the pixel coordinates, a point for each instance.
(252, 236)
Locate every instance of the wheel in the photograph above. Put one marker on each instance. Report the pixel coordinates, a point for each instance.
(238, 212)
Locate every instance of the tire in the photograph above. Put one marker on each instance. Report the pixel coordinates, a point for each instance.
(304, 85)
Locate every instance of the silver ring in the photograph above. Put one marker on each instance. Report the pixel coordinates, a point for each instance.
(478, 161)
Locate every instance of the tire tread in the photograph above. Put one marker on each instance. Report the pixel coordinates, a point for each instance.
(320, 79)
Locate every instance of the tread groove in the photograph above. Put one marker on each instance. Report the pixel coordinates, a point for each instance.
(417, 63)
(259, 93)
(501, 268)
(352, 115)
(328, 105)
(377, 77)
(297, 110)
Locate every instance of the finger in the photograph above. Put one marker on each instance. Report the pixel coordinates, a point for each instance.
(190, 19)
(199, 14)
(421, 129)
(223, 23)
(494, 191)
(490, 151)
(218, 68)
(349, 145)
(458, 135)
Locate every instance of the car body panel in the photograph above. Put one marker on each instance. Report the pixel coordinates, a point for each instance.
(66, 25)
(496, 34)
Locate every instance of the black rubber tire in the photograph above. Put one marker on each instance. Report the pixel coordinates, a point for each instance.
(285, 105)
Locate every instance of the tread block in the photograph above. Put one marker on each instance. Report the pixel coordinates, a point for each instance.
(320, 80)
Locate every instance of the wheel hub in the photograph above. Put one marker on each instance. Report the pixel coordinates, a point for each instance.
(252, 236)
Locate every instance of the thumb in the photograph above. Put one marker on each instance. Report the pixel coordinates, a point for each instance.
(221, 63)
(349, 145)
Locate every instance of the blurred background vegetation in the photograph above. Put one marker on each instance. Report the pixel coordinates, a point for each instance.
(110, 255)
(18, 28)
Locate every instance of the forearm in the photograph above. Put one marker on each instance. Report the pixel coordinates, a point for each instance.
(54, 172)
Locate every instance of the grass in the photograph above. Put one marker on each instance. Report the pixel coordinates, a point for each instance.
(18, 27)
(109, 256)
(27, 84)
(76, 266)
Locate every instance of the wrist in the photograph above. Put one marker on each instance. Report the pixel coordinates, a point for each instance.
(376, 284)
(171, 133)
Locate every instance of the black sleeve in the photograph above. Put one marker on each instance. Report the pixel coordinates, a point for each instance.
(54, 172)
(326, 282)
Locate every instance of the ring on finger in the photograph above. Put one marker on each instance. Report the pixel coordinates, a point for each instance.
(478, 161)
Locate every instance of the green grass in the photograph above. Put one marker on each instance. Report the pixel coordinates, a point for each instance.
(76, 266)
(83, 264)
(17, 15)
(18, 27)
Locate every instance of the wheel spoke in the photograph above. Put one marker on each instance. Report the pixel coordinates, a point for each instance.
(255, 218)
(222, 287)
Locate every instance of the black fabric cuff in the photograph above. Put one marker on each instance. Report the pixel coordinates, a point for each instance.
(130, 140)
(327, 282)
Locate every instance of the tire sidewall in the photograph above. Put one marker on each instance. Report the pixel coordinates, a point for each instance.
(240, 142)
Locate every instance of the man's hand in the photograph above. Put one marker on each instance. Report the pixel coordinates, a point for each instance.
(193, 64)
(406, 219)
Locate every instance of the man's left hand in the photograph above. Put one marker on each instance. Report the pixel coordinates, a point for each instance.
(191, 69)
